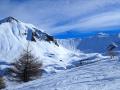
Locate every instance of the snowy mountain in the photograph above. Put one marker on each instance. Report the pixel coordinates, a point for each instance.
(15, 36)
(92, 44)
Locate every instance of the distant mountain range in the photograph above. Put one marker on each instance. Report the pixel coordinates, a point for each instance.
(84, 34)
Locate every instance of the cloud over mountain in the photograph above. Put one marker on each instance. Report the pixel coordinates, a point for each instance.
(63, 15)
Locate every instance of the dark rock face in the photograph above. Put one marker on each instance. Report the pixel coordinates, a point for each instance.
(43, 36)
(51, 38)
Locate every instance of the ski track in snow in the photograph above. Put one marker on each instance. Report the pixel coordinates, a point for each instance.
(103, 75)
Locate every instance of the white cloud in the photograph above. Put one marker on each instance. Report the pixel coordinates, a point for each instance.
(61, 15)
(94, 22)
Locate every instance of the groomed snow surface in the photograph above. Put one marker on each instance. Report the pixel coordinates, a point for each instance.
(101, 75)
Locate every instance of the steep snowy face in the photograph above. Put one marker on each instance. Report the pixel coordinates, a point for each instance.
(14, 38)
(70, 44)
(93, 44)
(11, 37)
(19, 29)
(13, 34)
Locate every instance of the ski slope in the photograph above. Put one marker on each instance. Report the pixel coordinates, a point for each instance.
(101, 75)
(76, 64)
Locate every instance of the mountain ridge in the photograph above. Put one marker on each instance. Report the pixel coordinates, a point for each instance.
(8, 19)
(14, 38)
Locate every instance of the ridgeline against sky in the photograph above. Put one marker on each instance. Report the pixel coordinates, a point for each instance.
(57, 16)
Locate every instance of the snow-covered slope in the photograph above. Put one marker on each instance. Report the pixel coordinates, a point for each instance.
(80, 71)
(13, 35)
(70, 44)
(101, 75)
(94, 44)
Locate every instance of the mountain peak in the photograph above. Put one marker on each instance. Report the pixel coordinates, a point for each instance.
(8, 19)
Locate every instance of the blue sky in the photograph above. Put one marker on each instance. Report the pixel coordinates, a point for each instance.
(58, 16)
